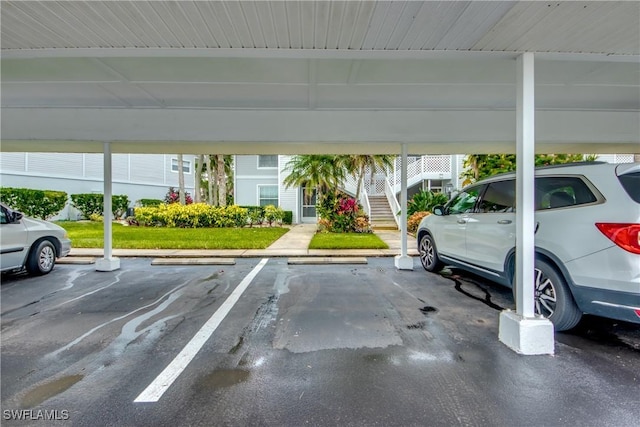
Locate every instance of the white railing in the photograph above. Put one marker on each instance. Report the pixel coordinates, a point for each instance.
(420, 168)
(393, 202)
(364, 201)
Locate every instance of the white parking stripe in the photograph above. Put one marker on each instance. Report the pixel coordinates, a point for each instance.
(156, 389)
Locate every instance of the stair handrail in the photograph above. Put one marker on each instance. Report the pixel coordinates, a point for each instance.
(393, 202)
(364, 201)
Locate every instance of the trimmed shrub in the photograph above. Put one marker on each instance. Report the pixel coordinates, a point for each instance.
(273, 214)
(92, 203)
(41, 204)
(255, 215)
(119, 205)
(287, 218)
(192, 216)
(145, 203)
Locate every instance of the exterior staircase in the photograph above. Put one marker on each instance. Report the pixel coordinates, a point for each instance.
(381, 216)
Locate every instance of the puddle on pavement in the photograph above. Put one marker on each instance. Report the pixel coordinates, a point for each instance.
(223, 378)
(487, 295)
(211, 277)
(428, 309)
(48, 390)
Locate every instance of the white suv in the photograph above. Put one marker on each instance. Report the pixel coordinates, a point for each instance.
(31, 243)
(587, 238)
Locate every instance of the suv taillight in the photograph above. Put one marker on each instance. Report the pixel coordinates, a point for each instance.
(627, 236)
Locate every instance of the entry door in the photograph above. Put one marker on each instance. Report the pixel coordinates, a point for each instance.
(309, 198)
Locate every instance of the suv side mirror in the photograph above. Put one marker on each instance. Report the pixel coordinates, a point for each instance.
(438, 210)
(16, 216)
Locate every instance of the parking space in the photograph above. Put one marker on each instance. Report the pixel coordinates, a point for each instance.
(302, 344)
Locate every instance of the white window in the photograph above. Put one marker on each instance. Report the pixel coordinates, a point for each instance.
(268, 195)
(267, 162)
(186, 166)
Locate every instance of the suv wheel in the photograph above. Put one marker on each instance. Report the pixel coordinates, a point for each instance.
(42, 258)
(553, 298)
(429, 254)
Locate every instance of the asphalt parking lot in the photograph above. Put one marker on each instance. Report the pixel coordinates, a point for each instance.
(266, 343)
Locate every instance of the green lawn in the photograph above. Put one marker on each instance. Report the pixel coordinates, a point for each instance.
(90, 235)
(347, 241)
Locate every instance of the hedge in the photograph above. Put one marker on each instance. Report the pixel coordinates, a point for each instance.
(145, 203)
(91, 203)
(34, 203)
(193, 215)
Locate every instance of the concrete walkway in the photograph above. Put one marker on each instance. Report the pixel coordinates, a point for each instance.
(294, 243)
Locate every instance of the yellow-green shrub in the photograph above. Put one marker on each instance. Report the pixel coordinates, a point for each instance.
(192, 216)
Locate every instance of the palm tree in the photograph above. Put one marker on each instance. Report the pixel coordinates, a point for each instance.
(199, 163)
(181, 180)
(321, 172)
(221, 180)
(358, 164)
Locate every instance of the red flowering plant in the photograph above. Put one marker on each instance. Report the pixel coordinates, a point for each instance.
(173, 196)
(341, 213)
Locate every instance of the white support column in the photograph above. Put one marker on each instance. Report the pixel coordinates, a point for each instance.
(108, 263)
(522, 330)
(403, 261)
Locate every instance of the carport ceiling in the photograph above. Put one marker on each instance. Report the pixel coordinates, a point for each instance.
(283, 77)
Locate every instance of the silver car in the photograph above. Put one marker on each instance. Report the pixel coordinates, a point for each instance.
(587, 239)
(30, 243)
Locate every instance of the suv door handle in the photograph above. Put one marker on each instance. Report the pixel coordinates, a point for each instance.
(462, 221)
(505, 221)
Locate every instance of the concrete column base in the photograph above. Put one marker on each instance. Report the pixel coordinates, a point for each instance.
(404, 262)
(526, 335)
(108, 264)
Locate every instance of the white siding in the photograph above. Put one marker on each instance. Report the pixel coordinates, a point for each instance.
(148, 168)
(56, 164)
(120, 167)
(136, 175)
(288, 196)
(247, 166)
(13, 162)
(94, 166)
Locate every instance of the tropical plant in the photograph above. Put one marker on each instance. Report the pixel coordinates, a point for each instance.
(414, 221)
(357, 165)
(340, 213)
(479, 166)
(181, 191)
(173, 196)
(321, 172)
(425, 201)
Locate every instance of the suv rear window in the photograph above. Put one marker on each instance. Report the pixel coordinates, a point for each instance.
(631, 184)
(561, 191)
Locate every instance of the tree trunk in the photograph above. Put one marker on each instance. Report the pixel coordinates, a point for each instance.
(361, 173)
(198, 178)
(221, 180)
(209, 180)
(181, 180)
